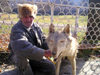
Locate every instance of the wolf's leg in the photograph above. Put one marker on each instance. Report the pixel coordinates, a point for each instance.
(58, 66)
(73, 64)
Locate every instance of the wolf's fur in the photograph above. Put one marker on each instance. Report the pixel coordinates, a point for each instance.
(63, 44)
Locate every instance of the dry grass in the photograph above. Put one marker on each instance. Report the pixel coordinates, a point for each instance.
(4, 41)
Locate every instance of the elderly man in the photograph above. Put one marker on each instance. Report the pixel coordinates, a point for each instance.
(28, 44)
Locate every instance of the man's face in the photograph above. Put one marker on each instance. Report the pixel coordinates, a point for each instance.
(27, 20)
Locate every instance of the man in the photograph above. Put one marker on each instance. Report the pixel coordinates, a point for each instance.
(28, 44)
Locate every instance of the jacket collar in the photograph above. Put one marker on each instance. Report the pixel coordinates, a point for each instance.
(28, 29)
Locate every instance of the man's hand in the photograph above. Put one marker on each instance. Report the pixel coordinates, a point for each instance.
(47, 53)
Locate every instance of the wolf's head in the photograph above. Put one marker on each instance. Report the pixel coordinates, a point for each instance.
(59, 42)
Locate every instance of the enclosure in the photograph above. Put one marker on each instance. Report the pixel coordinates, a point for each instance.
(82, 15)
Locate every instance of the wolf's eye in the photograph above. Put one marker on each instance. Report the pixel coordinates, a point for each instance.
(51, 41)
(62, 41)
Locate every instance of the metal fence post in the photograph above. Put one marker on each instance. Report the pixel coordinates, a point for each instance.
(77, 19)
(33, 1)
(52, 12)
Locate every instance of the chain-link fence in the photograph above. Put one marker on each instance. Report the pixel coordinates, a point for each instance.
(84, 18)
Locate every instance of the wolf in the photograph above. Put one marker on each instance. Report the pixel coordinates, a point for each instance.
(63, 44)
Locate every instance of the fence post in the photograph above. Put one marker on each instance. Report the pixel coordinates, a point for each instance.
(33, 1)
(23, 1)
(77, 19)
(52, 12)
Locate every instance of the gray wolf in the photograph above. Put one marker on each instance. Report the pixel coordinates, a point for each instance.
(63, 44)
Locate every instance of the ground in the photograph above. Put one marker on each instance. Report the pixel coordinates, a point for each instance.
(84, 67)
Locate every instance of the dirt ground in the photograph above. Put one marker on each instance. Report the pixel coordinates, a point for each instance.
(84, 67)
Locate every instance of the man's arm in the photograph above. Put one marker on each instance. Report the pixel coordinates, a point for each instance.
(22, 46)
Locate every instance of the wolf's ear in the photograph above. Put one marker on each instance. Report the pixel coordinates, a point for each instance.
(67, 29)
(51, 28)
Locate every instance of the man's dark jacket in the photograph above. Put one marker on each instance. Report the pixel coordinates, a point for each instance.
(26, 44)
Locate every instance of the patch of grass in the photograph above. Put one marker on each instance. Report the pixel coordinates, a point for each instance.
(8, 17)
(84, 53)
(62, 19)
(81, 36)
(58, 19)
(45, 30)
(5, 28)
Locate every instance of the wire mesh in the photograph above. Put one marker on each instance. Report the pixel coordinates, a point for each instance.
(83, 17)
